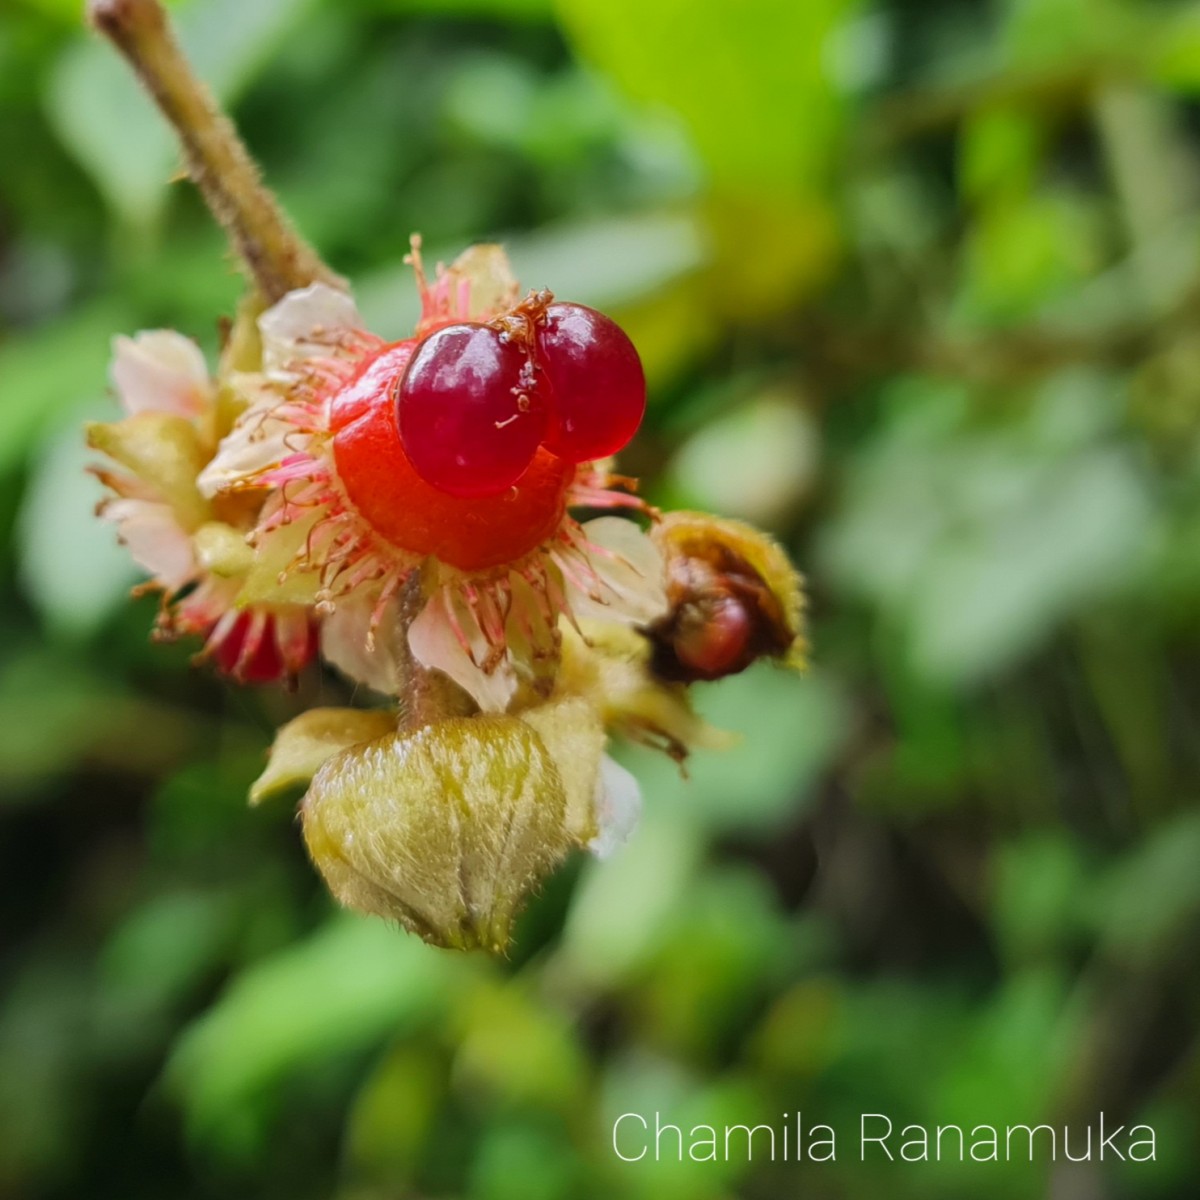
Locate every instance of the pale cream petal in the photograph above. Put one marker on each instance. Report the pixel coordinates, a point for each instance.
(618, 808)
(129, 486)
(344, 643)
(250, 389)
(160, 371)
(630, 571)
(531, 637)
(435, 644)
(155, 539)
(300, 324)
(258, 441)
(492, 287)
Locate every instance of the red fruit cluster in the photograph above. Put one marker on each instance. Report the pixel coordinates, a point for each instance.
(407, 510)
(476, 402)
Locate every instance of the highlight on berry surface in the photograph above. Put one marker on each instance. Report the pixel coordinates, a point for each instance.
(468, 411)
(476, 401)
(437, 518)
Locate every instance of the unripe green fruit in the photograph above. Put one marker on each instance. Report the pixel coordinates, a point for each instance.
(445, 829)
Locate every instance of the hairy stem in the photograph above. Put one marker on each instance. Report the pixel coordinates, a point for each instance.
(428, 695)
(277, 258)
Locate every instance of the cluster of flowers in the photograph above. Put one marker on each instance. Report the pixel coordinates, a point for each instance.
(403, 511)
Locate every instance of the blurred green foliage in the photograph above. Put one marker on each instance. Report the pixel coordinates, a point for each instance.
(918, 286)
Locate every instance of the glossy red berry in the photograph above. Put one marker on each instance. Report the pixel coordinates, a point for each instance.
(592, 382)
(468, 417)
(719, 645)
(407, 511)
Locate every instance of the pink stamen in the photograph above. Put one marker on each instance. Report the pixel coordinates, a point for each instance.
(255, 630)
(456, 627)
(389, 589)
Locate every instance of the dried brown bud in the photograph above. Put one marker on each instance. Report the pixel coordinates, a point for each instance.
(733, 597)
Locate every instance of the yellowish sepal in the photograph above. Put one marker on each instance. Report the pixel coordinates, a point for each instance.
(165, 452)
(303, 746)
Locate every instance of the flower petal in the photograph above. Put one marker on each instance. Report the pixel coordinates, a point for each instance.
(618, 808)
(629, 571)
(435, 643)
(277, 573)
(210, 606)
(345, 643)
(299, 326)
(609, 664)
(222, 549)
(294, 636)
(155, 539)
(160, 370)
(258, 441)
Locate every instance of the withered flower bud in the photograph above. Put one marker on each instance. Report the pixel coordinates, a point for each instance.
(445, 829)
(733, 598)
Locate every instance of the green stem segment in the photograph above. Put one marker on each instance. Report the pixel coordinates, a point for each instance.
(278, 259)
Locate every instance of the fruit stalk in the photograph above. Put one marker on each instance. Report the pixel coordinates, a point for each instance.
(426, 696)
(277, 258)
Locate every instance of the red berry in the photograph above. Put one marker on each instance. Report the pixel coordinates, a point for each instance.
(405, 510)
(467, 415)
(592, 382)
(721, 644)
